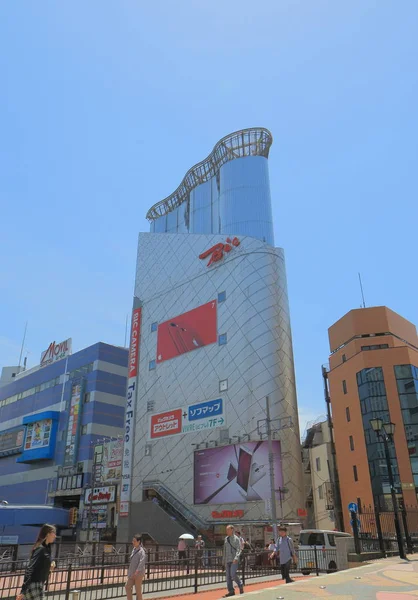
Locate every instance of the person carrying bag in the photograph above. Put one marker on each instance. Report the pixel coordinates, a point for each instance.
(40, 565)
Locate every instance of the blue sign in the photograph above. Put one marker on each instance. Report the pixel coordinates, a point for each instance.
(41, 436)
(352, 507)
(205, 410)
(358, 523)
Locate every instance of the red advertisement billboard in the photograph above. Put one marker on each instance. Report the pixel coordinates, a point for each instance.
(167, 423)
(187, 332)
(236, 473)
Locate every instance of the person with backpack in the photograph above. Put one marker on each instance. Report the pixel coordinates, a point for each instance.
(287, 555)
(40, 565)
(232, 553)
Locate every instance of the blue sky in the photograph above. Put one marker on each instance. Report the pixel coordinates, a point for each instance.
(105, 105)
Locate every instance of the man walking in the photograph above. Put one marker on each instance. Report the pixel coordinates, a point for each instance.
(287, 553)
(232, 553)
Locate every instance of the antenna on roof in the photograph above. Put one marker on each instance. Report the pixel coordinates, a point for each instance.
(23, 343)
(363, 305)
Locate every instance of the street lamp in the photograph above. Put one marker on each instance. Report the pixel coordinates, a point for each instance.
(385, 432)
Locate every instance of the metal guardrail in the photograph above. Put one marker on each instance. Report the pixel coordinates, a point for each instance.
(107, 579)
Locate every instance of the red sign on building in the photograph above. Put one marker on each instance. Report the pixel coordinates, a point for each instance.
(166, 423)
(228, 514)
(216, 253)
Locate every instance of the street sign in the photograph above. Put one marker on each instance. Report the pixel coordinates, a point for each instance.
(352, 507)
(358, 524)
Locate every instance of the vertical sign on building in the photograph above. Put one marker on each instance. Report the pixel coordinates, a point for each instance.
(131, 395)
(74, 420)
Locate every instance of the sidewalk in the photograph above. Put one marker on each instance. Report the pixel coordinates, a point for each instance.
(389, 579)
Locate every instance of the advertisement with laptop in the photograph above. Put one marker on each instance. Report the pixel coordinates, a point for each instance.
(236, 473)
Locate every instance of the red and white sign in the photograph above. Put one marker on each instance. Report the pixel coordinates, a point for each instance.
(216, 253)
(100, 495)
(131, 395)
(56, 352)
(124, 509)
(168, 423)
(228, 514)
(134, 347)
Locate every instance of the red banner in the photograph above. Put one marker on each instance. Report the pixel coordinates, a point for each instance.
(134, 346)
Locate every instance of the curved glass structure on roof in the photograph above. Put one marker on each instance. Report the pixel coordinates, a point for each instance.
(227, 193)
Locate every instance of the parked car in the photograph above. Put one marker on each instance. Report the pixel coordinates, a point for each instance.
(317, 547)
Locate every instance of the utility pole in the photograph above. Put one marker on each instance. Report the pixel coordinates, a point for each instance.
(283, 423)
(271, 465)
(335, 483)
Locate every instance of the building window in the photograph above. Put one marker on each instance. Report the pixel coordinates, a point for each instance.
(223, 338)
(351, 443)
(152, 365)
(150, 405)
(84, 430)
(318, 464)
(347, 414)
(221, 297)
(355, 473)
(321, 491)
(86, 397)
(223, 385)
(154, 326)
(344, 386)
(344, 358)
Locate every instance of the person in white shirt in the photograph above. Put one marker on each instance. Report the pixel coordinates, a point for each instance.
(241, 540)
(272, 553)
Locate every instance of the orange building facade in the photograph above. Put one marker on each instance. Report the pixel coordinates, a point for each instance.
(374, 373)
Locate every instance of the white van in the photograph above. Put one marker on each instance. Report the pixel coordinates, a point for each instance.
(325, 556)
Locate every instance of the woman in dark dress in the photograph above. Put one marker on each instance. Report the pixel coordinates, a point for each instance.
(40, 565)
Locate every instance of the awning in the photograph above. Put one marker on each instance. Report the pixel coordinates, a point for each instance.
(32, 515)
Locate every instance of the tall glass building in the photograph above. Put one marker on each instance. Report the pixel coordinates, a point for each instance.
(227, 192)
(211, 341)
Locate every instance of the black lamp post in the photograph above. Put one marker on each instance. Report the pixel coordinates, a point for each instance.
(385, 432)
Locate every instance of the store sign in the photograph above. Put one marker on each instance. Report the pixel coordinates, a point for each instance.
(56, 352)
(228, 514)
(302, 512)
(11, 441)
(188, 419)
(111, 467)
(38, 434)
(216, 253)
(74, 421)
(100, 495)
(131, 395)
